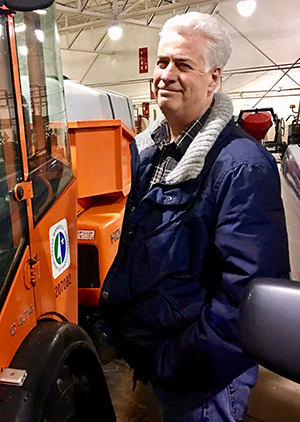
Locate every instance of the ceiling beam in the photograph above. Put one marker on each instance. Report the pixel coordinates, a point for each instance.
(108, 53)
(72, 10)
(257, 48)
(100, 23)
(135, 14)
(169, 7)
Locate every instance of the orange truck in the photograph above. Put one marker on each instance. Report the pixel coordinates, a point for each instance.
(49, 210)
(101, 165)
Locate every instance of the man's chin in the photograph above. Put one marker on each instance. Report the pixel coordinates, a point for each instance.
(166, 105)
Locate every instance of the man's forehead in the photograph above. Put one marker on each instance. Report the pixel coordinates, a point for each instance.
(181, 47)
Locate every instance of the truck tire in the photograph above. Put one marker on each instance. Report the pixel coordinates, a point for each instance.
(69, 399)
(64, 383)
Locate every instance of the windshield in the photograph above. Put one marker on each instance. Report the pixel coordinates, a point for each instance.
(43, 106)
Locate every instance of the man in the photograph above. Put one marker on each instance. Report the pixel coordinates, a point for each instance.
(203, 218)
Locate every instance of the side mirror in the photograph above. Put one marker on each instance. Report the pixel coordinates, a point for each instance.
(26, 5)
(269, 325)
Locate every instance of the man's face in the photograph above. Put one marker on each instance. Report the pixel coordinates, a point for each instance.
(182, 88)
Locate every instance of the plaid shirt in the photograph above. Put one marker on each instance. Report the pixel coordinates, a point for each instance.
(172, 152)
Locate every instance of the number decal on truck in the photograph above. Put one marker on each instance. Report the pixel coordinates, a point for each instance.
(62, 285)
(21, 320)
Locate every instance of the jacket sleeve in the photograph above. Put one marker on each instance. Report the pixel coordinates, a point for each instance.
(250, 240)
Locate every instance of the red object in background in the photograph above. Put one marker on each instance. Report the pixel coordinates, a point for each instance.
(145, 110)
(143, 59)
(257, 124)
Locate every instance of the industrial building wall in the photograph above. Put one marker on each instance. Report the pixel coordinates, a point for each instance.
(261, 43)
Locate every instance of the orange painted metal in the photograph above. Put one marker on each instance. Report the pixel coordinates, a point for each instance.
(47, 297)
(18, 315)
(101, 163)
(100, 156)
(105, 218)
(57, 296)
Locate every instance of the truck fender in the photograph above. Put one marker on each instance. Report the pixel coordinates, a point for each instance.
(43, 354)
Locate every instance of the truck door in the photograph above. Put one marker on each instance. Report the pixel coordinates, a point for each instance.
(16, 315)
(38, 243)
(53, 242)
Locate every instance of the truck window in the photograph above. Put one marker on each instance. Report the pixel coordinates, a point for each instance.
(12, 212)
(44, 107)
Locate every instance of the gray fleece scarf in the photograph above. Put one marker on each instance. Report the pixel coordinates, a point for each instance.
(191, 164)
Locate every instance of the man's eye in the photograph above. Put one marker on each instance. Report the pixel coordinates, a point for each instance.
(162, 64)
(184, 66)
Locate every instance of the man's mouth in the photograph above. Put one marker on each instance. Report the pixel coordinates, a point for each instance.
(167, 90)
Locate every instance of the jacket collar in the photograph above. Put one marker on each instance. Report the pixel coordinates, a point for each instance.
(192, 162)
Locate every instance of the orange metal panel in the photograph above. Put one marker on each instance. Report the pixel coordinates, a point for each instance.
(105, 218)
(57, 296)
(18, 315)
(88, 296)
(100, 156)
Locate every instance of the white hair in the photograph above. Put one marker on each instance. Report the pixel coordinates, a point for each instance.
(207, 26)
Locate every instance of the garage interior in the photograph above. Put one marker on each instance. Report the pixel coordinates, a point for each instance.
(263, 71)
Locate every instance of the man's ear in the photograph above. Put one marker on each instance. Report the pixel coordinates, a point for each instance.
(215, 80)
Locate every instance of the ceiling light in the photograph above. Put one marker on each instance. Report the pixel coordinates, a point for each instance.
(115, 32)
(246, 7)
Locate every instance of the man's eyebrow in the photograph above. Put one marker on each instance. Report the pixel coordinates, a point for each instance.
(183, 59)
(175, 59)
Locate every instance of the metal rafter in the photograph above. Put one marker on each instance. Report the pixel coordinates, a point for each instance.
(125, 9)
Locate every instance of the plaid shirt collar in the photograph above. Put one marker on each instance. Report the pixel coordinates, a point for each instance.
(162, 135)
(172, 152)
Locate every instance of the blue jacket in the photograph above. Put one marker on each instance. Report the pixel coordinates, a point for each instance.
(170, 300)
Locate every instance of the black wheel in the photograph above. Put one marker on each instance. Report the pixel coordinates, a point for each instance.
(65, 381)
(70, 397)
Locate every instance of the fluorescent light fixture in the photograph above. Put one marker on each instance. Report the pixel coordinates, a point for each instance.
(115, 32)
(40, 35)
(246, 7)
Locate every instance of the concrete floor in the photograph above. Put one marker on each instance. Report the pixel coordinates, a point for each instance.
(130, 406)
(274, 399)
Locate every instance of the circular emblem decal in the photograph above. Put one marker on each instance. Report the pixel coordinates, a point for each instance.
(59, 246)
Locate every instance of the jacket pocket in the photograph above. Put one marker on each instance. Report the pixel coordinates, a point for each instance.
(185, 303)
